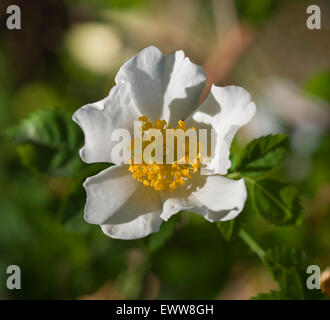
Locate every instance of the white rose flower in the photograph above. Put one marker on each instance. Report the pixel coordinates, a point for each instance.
(124, 200)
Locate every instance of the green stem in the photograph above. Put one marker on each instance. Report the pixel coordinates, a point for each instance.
(252, 244)
(233, 175)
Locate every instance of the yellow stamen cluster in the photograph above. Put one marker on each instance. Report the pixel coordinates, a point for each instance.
(163, 177)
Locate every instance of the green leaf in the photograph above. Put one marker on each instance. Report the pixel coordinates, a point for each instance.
(277, 202)
(49, 142)
(280, 259)
(261, 155)
(158, 239)
(288, 267)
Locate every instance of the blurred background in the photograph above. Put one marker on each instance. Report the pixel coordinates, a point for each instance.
(67, 54)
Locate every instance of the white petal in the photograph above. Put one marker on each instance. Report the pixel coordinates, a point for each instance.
(98, 121)
(165, 87)
(114, 197)
(225, 110)
(140, 227)
(216, 198)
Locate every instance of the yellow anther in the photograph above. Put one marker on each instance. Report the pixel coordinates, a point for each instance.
(182, 124)
(163, 177)
(143, 119)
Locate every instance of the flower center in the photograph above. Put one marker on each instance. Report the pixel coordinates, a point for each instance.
(165, 176)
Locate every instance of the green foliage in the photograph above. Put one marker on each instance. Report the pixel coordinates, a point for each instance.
(49, 142)
(196, 256)
(41, 215)
(255, 11)
(227, 228)
(167, 229)
(33, 96)
(230, 229)
(320, 173)
(319, 85)
(74, 202)
(261, 155)
(277, 202)
(288, 267)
